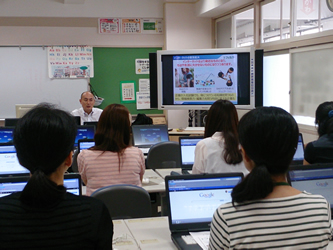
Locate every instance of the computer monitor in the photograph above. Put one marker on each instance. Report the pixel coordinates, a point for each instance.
(13, 184)
(77, 120)
(9, 164)
(85, 144)
(11, 122)
(187, 146)
(6, 134)
(91, 123)
(84, 132)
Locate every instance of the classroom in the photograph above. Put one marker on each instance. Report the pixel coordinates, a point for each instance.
(295, 36)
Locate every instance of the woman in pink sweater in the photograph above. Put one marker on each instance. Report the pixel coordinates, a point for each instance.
(112, 160)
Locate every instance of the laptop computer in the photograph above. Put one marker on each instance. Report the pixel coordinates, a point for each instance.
(299, 154)
(9, 164)
(12, 184)
(91, 123)
(313, 178)
(187, 146)
(85, 144)
(84, 132)
(192, 201)
(145, 136)
(6, 134)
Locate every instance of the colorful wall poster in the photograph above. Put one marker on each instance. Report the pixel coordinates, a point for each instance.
(109, 25)
(152, 26)
(70, 61)
(130, 26)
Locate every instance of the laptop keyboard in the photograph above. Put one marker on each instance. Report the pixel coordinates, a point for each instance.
(145, 150)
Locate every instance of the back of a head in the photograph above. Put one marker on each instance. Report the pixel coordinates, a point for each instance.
(222, 116)
(269, 136)
(44, 137)
(113, 129)
(324, 118)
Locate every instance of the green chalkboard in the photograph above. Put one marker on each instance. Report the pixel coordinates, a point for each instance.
(115, 65)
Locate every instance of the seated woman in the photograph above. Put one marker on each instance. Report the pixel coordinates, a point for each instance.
(112, 160)
(265, 211)
(321, 150)
(219, 151)
(44, 215)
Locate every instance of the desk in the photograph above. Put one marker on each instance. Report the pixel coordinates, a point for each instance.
(190, 131)
(145, 233)
(166, 171)
(156, 182)
(148, 233)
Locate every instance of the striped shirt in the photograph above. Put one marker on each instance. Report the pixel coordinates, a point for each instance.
(301, 221)
(99, 169)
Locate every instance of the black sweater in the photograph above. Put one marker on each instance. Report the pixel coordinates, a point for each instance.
(76, 222)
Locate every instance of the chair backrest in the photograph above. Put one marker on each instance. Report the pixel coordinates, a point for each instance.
(125, 201)
(164, 155)
(74, 166)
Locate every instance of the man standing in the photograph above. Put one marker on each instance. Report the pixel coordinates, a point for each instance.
(87, 112)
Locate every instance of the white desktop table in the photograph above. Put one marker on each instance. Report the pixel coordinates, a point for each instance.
(155, 182)
(166, 171)
(147, 233)
(144, 233)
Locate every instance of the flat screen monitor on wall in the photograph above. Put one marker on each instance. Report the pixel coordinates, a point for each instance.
(195, 79)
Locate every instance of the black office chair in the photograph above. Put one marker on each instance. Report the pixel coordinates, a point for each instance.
(125, 201)
(164, 155)
(74, 168)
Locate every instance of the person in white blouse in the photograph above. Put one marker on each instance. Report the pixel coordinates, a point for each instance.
(87, 112)
(219, 151)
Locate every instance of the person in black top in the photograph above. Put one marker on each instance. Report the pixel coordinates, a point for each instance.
(321, 150)
(44, 215)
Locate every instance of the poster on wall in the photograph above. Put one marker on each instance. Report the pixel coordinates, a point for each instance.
(70, 61)
(152, 26)
(109, 25)
(142, 66)
(127, 91)
(130, 26)
(142, 100)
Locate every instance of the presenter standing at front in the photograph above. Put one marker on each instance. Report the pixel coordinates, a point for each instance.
(87, 112)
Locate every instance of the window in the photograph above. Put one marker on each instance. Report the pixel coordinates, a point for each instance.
(244, 28)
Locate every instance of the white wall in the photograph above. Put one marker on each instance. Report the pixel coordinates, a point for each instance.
(38, 29)
(184, 31)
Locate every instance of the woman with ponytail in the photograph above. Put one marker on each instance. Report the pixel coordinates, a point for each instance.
(44, 215)
(219, 151)
(266, 212)
(321, 150)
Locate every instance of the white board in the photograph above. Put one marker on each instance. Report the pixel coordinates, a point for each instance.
(24, 80)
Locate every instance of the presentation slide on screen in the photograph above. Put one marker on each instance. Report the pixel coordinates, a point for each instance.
(205, 78)
(197, 204)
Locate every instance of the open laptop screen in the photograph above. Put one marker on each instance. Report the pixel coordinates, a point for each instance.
(9, 185)
(6, 134)
(85, 144)
(148, 135)
(187, 146)
(84, 132)
(193, 199)
(299, 154)
(9, 164)
(313, 178)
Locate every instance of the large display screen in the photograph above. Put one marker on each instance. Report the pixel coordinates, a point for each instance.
(195, 79)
